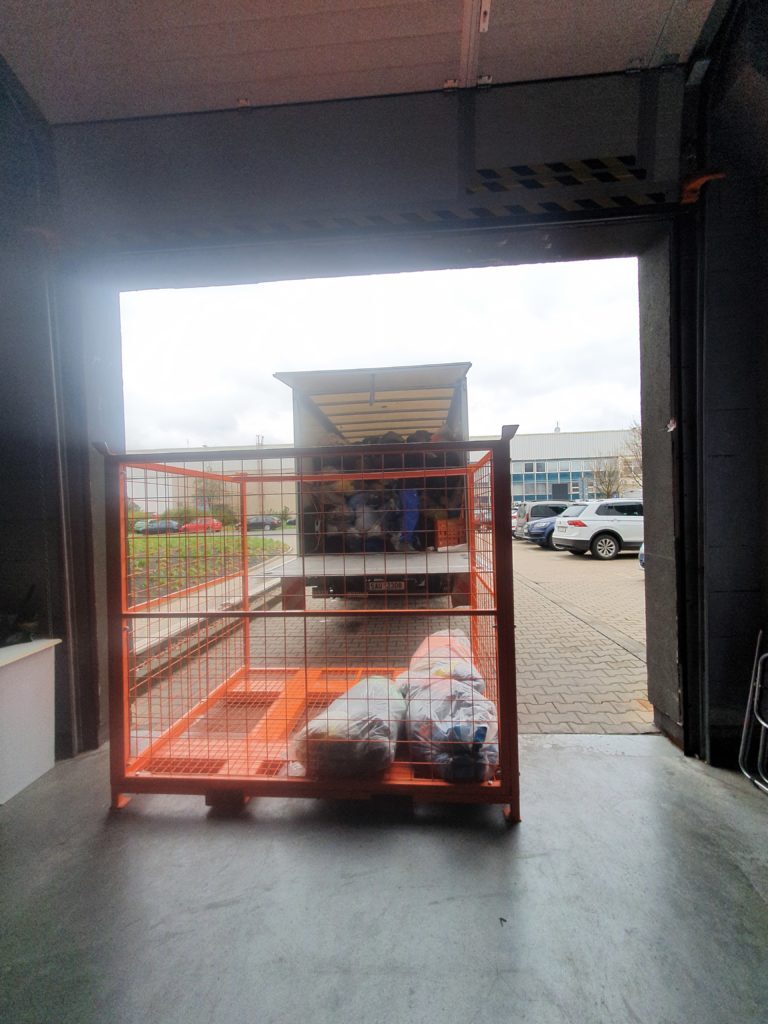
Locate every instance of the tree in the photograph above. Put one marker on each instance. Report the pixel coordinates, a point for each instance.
(215, 497)
(606, 478)
(632, 456)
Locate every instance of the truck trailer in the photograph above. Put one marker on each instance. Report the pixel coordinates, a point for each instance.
(382, 499)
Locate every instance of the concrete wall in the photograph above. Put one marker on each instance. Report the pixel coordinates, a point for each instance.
(32, 542)
(658, 337)
(733, 331)
(370, 164)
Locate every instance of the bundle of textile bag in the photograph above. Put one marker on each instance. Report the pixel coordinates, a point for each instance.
(449, 723)
(357, 734)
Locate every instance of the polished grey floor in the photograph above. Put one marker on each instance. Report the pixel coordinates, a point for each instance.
(635, 890)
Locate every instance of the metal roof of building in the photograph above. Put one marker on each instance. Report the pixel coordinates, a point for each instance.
(580, 444)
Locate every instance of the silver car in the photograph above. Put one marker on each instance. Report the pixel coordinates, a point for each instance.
(529, 510)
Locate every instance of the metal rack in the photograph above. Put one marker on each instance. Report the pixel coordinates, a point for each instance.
(226, 642)
(753, 750)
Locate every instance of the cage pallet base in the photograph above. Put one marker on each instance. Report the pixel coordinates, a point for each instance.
(237, 743)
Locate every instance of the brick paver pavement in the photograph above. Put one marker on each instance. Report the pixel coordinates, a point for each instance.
(580, 636)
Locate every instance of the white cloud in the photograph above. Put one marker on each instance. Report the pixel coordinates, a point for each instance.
(549, 343)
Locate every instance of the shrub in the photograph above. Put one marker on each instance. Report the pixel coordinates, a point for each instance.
(224, 514)
(184, 514)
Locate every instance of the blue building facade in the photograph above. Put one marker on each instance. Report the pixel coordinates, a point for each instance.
(571, 466)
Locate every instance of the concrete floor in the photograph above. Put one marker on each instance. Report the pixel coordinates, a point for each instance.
(635, 890)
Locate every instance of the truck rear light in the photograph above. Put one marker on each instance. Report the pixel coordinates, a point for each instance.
(576, 522)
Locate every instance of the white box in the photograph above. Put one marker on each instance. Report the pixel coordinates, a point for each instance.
(26, 714)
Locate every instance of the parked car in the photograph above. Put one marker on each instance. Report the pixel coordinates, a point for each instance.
(149, 526)
(161, 526)
(605, 527)
(207, 524)
(483, 516)
(641, 556)
(529, 510)
(541, 531)
(262, 523)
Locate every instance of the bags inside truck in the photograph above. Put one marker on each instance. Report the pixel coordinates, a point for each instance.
(389, 406)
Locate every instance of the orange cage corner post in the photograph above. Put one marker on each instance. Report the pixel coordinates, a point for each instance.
(253, 593)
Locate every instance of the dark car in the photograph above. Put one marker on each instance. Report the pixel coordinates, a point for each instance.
(149, 526)
(162, 526)
(541, 531)
(262, 523)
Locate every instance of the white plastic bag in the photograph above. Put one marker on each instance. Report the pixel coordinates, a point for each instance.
(446, 654)
(357, 734)
(448, 722)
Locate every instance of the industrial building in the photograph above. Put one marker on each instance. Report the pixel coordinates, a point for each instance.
(574, 464)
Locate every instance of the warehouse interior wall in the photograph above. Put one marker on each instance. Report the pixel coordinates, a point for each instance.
(732, 326)
(35, 516)
(433, 160)
(401, 183)
(660, 496)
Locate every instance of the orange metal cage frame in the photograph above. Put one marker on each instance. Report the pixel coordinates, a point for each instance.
(205, 711)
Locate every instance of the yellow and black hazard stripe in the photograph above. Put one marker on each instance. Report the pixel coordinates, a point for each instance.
(524, 204)
(604, 170)
(527, 206)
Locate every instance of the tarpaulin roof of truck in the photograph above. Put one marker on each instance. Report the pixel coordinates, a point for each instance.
(369, 402)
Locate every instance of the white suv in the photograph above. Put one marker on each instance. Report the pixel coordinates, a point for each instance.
(605, 527)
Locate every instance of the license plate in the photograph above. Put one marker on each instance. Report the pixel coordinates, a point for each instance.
(560, 529)
(379, 585)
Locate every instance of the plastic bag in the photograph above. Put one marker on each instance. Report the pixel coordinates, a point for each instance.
(449, 722)
(446, 654)
(357, 734)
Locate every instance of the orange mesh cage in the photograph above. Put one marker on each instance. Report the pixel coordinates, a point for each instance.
(270, 602)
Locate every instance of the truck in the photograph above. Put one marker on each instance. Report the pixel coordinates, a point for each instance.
(381, 499)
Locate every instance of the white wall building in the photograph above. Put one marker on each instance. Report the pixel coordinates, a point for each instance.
(572, 465)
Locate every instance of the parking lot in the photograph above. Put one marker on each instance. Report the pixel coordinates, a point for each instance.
(580, 635)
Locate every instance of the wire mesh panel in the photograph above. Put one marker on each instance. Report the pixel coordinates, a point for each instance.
(326, 622)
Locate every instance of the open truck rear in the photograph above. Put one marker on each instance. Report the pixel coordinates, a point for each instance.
(383, 500)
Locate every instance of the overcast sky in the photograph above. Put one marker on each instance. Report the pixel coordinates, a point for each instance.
(551, 343)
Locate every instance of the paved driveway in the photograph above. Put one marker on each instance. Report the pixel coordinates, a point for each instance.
(580, 632)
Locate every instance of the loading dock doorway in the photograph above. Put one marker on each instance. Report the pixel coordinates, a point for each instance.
(553, 346)
(650, 239)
